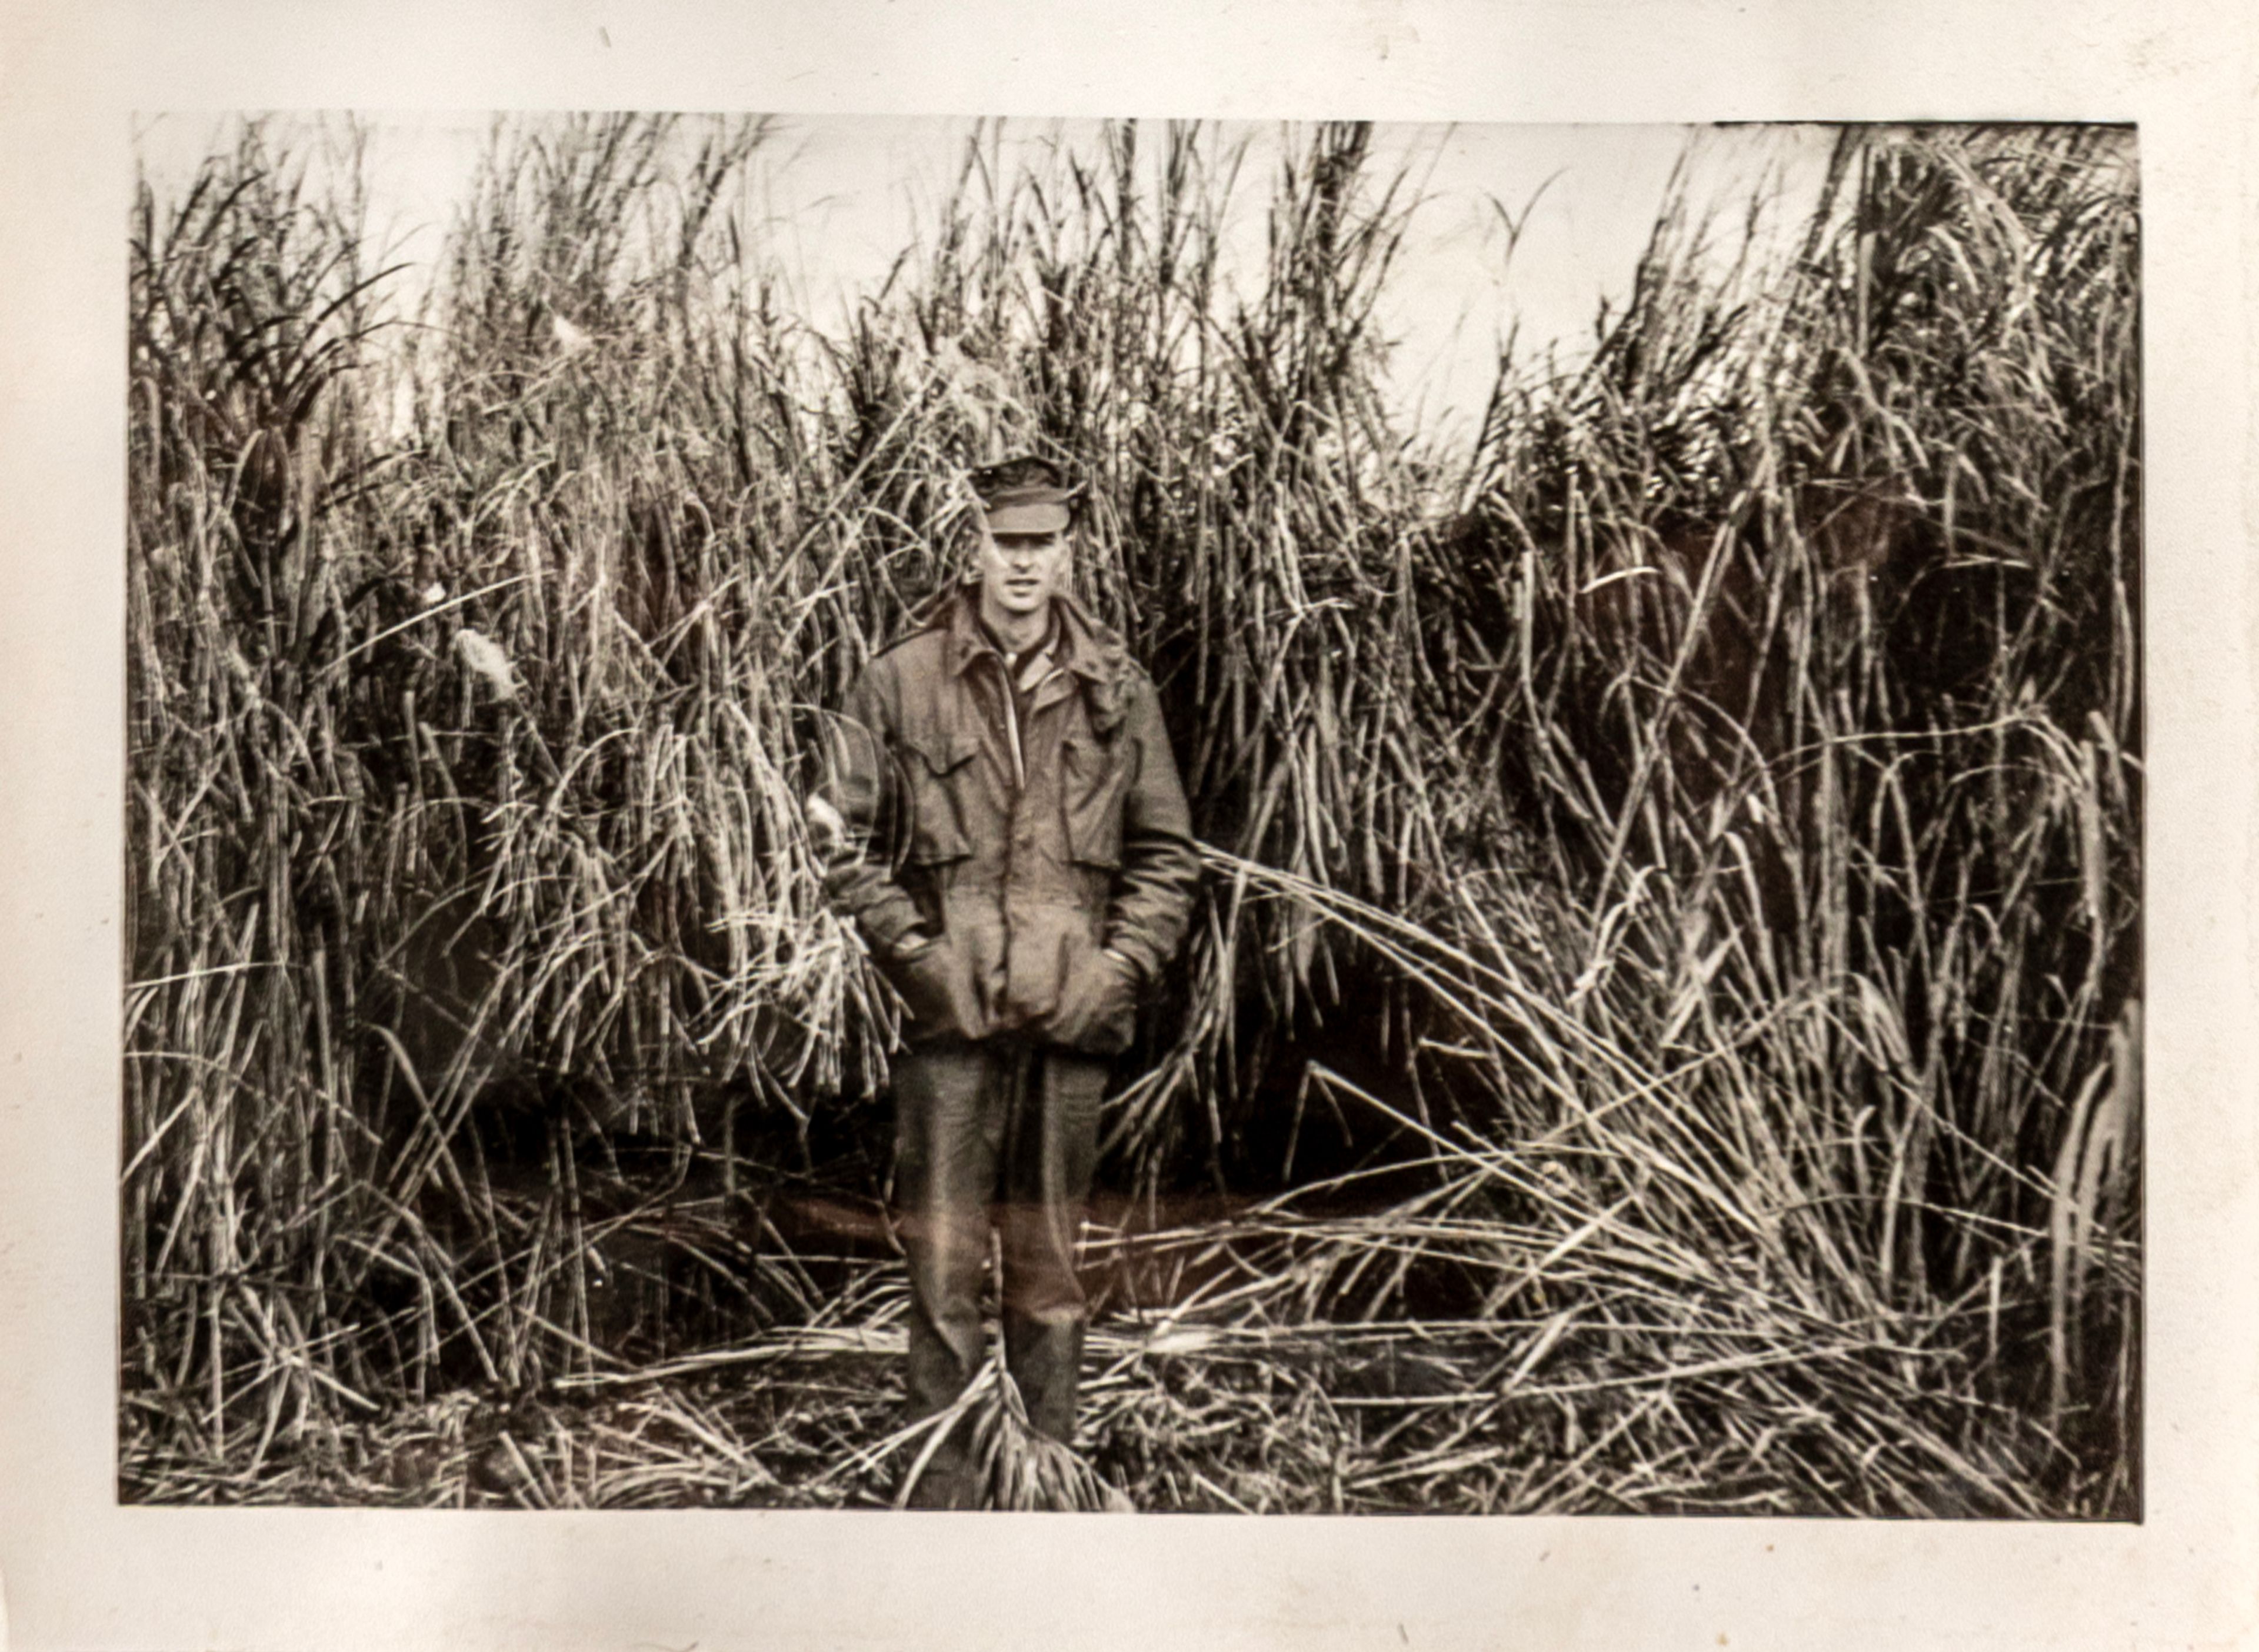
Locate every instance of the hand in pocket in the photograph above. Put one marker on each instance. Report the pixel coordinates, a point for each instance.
(1098, 1011)
(923, 981)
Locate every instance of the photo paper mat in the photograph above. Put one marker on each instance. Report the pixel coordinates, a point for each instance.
(81, 1571)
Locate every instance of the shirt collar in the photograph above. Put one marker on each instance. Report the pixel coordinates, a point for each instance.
(1047, 643)
(1070, 642)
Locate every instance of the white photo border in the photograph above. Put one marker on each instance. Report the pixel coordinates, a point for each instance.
(78, 1571)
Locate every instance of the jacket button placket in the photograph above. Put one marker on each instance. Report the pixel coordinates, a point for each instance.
(1019, 850)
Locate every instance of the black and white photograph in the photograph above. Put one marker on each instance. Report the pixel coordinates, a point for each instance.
(831, 812)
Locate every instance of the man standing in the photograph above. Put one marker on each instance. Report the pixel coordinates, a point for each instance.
(1047, 878)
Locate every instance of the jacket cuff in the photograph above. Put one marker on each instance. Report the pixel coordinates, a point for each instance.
(892, 928)
(1133, 958)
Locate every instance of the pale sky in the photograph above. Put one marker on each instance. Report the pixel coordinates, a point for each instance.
(843, 197)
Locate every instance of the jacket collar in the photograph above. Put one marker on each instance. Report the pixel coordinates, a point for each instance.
(1083, 647)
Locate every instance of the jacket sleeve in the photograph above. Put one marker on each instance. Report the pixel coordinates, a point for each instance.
(1160, 866)
(858, 794)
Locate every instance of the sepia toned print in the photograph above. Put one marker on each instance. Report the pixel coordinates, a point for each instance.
(1658, 1024)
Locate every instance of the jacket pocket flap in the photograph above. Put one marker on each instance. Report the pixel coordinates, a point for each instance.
(1097, 785)
(933, 762)
(942, 753)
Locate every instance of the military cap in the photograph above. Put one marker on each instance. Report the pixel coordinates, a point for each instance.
(1025, 494)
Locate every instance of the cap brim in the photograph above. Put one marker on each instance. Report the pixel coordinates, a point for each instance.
(1028, 518)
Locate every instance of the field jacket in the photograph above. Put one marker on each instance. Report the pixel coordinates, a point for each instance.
(1037, 892)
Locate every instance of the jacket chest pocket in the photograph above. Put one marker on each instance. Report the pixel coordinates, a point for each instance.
(1095, 776)
(939, 772)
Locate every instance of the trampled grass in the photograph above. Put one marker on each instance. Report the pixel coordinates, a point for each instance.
(1662, 1032)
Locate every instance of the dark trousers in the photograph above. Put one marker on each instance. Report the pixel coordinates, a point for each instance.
(998, 1134)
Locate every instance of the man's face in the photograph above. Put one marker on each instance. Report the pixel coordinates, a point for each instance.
(1020, 572)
